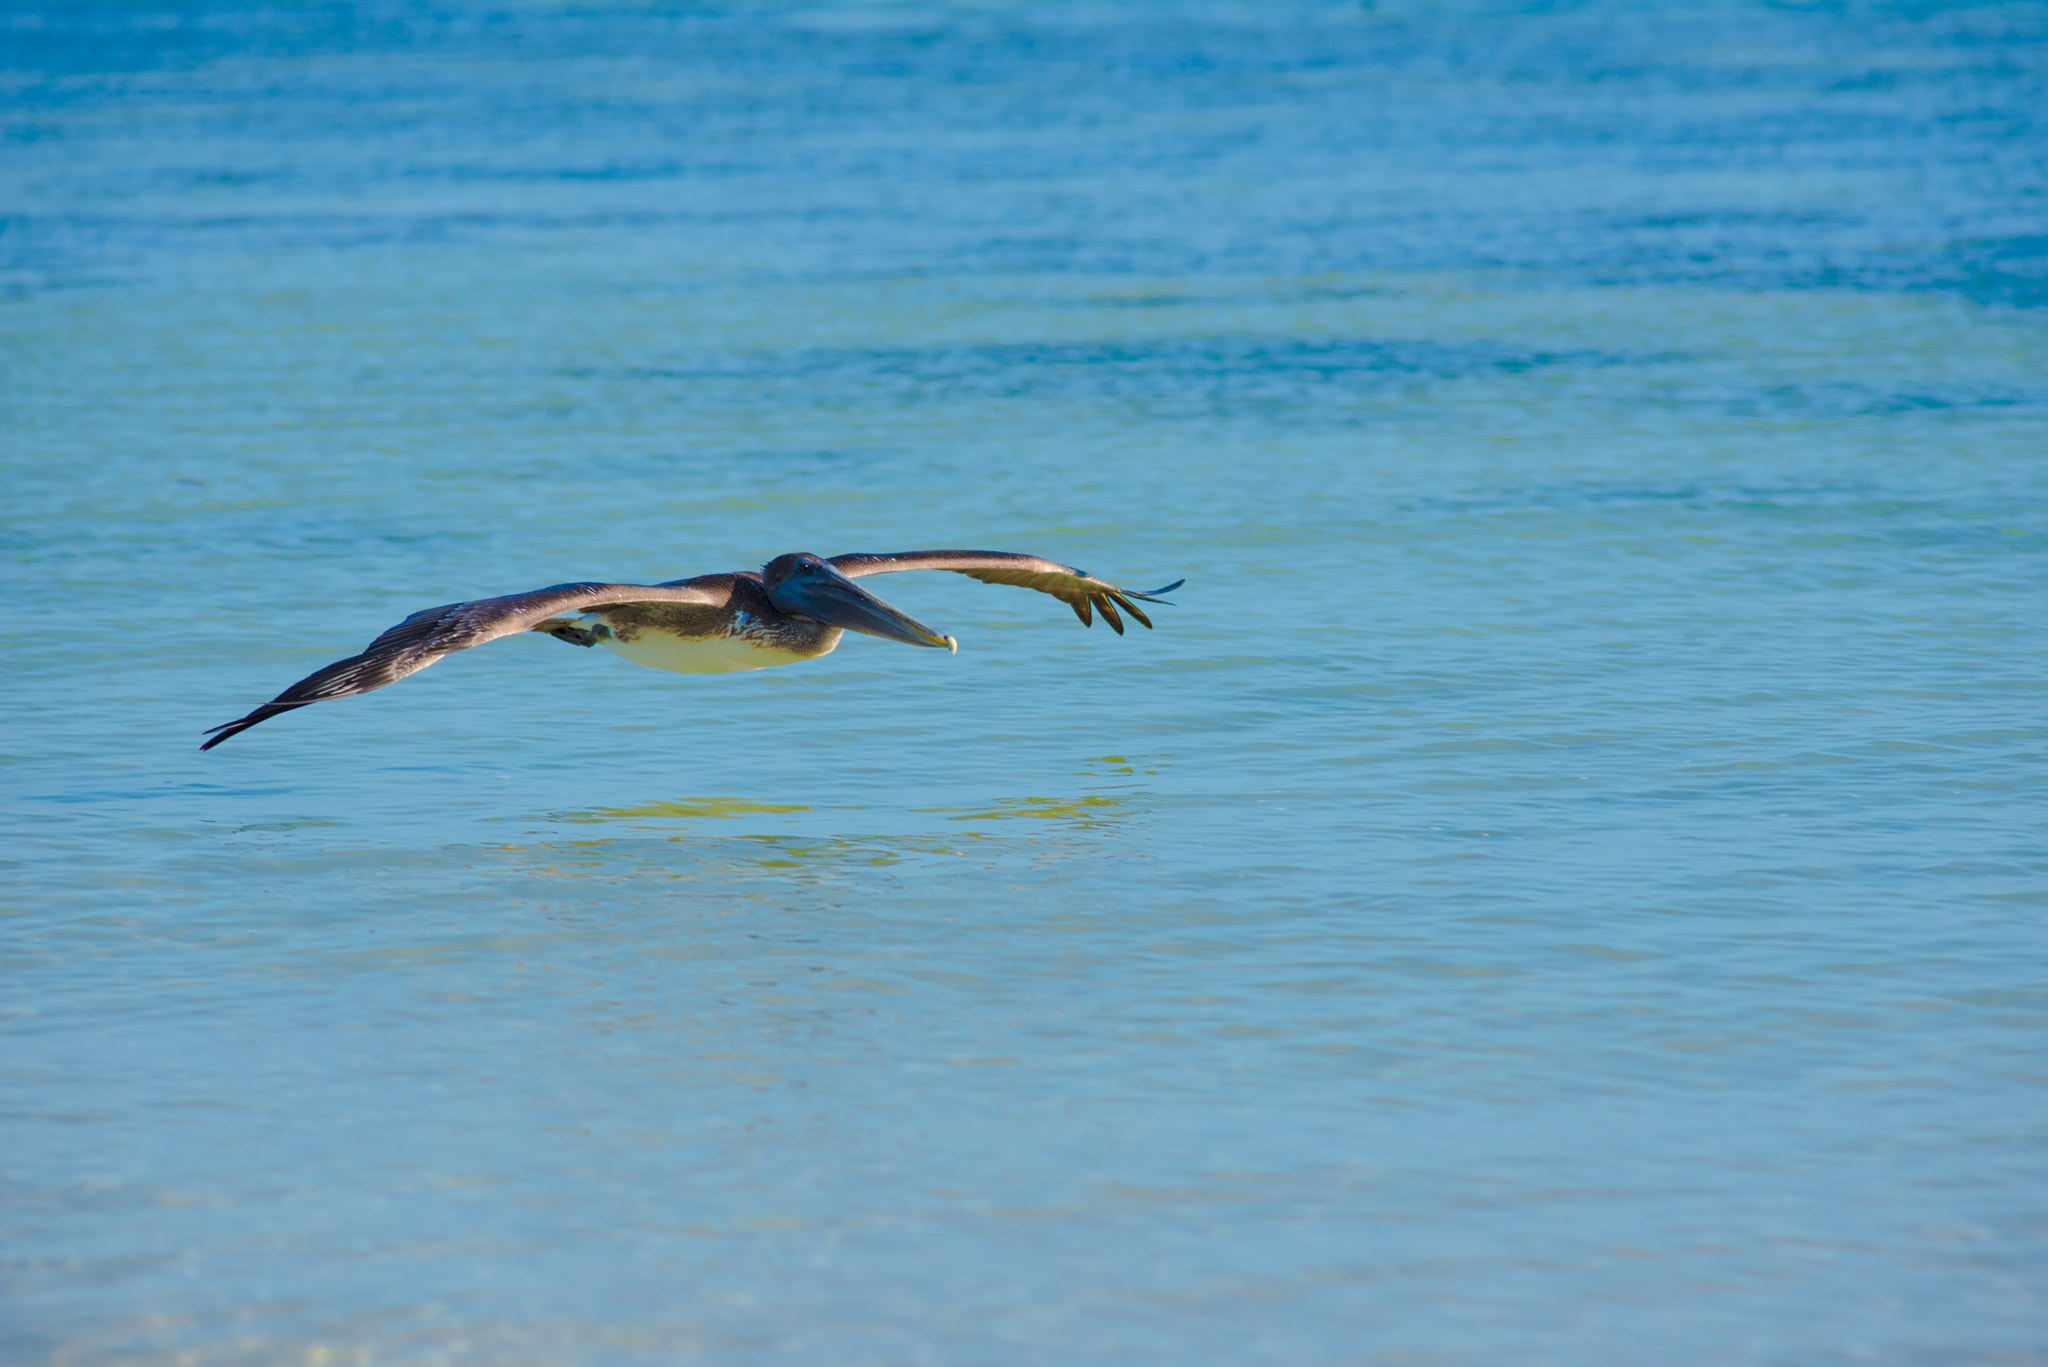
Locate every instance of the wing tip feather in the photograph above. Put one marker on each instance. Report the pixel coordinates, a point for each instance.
(229, 729)
(1123, 601)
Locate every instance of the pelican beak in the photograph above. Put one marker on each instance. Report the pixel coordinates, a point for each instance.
(825, 595)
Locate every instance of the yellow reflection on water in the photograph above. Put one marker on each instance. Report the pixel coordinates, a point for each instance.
(721, 808)
(794, 852)
(1085, 811)
(704, 854)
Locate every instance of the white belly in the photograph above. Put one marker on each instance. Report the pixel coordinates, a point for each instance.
(704, 655)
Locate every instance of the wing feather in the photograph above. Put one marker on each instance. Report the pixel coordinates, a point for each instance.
(1078, 589)
(427, 636)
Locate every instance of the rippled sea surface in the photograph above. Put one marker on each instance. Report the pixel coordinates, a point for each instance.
(1564, 884)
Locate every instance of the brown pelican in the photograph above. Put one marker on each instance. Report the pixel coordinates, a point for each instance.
(795, 607)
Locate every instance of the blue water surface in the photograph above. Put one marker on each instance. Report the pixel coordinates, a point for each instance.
(1563, 885)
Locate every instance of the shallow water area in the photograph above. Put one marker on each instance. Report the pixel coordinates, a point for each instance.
(1562, 883)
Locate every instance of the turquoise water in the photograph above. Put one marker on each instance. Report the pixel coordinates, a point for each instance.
(1564, 885)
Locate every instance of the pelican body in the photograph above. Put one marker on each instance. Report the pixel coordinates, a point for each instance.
(746, 632)
(796, 607)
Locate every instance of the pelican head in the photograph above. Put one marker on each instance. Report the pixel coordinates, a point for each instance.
(806, 585)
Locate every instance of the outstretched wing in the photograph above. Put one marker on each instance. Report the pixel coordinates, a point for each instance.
(431, 633)
(1078, 589)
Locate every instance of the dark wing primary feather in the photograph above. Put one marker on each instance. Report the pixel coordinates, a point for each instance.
(1078, 589)
(431, 633)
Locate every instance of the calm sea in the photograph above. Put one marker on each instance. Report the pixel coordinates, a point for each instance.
(1565, 884)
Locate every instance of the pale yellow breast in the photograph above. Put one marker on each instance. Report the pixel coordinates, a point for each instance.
(718, 655)
(683, 639)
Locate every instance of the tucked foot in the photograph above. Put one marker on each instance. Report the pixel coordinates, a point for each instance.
(574, 632)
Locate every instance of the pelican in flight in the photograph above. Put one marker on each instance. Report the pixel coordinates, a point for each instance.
(796, 607)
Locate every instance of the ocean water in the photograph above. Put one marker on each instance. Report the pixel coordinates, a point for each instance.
(1564, 884)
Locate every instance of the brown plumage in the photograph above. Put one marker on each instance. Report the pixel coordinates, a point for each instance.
(1078, 589)
(794, 608)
